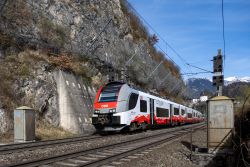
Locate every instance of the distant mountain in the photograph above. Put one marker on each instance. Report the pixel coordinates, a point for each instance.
(237, 90)
(230, 80)
(204, 86)
(200, 86)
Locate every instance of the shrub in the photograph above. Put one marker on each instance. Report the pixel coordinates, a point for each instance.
(17, 12)
(24, 70)
(53, 33)
(139, 31)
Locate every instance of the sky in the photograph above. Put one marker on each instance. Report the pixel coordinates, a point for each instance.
(194, 29)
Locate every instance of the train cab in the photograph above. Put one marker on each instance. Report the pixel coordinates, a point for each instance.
(113, 104)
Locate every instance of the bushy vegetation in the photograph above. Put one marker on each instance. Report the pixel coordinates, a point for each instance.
(238, 90)
(53, 33)
(138, 30)
(16, 12)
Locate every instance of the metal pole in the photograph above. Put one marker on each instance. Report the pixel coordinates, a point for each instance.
(125, 66)
(130, 58)
(154, 69)
(220, 91)
(191, 144)
(165, 78)
(175, 87)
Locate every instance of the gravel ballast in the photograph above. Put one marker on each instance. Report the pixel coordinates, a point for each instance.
(67, 148)
(175, 153)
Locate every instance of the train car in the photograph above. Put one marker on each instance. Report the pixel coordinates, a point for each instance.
(183, 115)
(118, 107)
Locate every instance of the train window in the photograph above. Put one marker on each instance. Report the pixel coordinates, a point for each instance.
(132, 101)
(176, 111)
(189, 115)
(143, 105)
(162, 112)
(110, 93)
(182, 111)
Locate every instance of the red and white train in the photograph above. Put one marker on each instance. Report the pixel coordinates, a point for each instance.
(119, 107)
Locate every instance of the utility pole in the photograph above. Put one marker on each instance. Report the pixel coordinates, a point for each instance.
(218, 77)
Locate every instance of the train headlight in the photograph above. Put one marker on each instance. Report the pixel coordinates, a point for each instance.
(97, 111)
(112, 110)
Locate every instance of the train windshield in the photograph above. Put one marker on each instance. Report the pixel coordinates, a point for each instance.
(110, 92)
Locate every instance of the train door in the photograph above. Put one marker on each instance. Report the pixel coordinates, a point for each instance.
(152, 112)
(171, 114)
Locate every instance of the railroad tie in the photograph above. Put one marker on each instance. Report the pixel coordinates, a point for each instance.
(125, 159)
(104, 153)
(97, 155)
(132, 157)
(145, 152)
(88, 158)
(117, 163)
(66, 164)
(138, 154)
(78, 161)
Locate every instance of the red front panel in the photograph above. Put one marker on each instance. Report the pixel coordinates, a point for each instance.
(105, 105)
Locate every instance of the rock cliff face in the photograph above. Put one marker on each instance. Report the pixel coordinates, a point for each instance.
(48, 45)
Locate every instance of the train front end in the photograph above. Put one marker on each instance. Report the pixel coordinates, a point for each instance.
(110, 106)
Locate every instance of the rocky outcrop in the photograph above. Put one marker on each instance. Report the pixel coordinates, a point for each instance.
(103, 31)
(5, 121)
(75, 42)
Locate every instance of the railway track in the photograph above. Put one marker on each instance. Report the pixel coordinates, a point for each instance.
(5, 149)
(109, 153)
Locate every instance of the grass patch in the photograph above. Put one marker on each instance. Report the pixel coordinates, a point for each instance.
(7, 137)
(46, 131)
(24, 70)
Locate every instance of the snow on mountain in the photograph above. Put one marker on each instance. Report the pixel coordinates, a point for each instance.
(230, 80)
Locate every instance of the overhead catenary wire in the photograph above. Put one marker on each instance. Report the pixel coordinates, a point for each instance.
(223, 33)
(194, 73)
(200, 68)
(100, 33)
(137, 13)
(167, 44)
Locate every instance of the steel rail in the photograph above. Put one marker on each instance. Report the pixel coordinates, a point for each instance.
(67, 156)
(9, 148)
